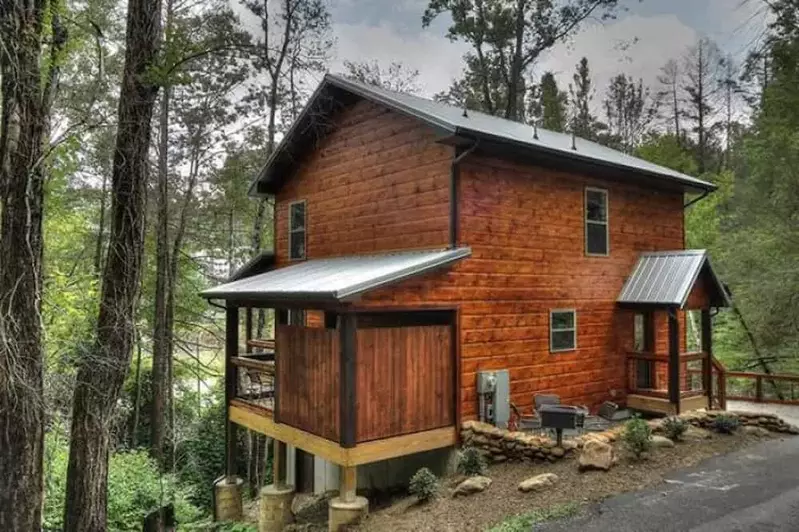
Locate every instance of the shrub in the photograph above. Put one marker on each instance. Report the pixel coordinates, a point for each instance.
(135, 488)
(471, 462)
(674, 428)
(637, 436)
(526, 521)
(424, 484)
(725, 423)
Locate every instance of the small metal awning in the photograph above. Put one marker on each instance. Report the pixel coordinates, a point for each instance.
(666, 279)
(334, 280)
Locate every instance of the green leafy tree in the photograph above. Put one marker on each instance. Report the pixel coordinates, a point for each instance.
(506, 39)
(551, 104)
(581, 91)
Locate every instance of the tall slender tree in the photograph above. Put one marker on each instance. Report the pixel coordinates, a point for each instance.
(629, 112)
(669, 94)
(553, 104)
(27, 93)
(702, 66)
(101, 371)
(583, 122)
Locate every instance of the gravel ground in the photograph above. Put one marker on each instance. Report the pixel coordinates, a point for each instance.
(502, 499)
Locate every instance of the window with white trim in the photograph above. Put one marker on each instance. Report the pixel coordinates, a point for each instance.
(562, 330)
(596, 221)
(297, 224)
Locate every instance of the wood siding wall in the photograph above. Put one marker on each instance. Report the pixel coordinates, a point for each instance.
(525, 226)
(308, 379)
(377, 183)
(405, 381)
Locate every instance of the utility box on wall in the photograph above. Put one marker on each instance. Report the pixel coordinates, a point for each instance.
(493, 396)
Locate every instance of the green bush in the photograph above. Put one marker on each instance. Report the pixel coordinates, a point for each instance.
(674, 427)
(135, 488)
(526, 521)
(424, 484)
(637, 436)
(471, 462)
(725, 423)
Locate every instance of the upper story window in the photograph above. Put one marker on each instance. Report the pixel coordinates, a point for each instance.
(596, 221)
(297, 224)
(562, 330)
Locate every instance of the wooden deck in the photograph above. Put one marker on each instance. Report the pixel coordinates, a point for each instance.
(654, 404)
(259, 419)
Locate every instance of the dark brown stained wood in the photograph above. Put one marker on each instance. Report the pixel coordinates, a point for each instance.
(308, 379)
(674, 360)
(699, 298)
(707, 347)
(231, 381)
(405, 380)
(348, 393)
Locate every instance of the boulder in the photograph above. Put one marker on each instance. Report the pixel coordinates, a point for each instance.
(696, 434)
(595, 455)
(472, 485)
(538, 482)
(558, 452)
(659, 442)
(754, 430)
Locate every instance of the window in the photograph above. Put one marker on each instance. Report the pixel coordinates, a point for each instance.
(297, 230)
(596, 221)
(644, 332)
(562, 330)
(296, 317)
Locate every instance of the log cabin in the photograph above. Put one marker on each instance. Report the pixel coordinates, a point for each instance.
(418, 246)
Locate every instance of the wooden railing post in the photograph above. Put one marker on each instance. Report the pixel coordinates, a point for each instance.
(759, 389)
(674, 359)
(347, 379)
(707, 348)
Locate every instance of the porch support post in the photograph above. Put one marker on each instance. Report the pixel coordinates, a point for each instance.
(674, 359)
(347, 380)
(248, 330)
(279, 464)
(231, 381)
(707, 349)
(347, 509)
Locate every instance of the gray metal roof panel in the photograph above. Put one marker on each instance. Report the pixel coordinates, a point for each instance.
(481, 125)
(335, 279)
(666, 278)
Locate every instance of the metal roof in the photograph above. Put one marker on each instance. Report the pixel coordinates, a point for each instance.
(265, 261)
(452, 121)
(335, 279)
(666, 278)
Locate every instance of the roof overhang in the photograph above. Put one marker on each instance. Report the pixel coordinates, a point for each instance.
(332, 281)
(336, 92)
(665, 280)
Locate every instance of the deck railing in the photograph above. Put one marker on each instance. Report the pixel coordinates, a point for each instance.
(256, 382)
(648, 374)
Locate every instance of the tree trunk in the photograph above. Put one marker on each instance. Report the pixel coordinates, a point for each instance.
(98, 246)
(102, 373)
(26, 99)
(134, 430)
(512, 110)
(160, 372)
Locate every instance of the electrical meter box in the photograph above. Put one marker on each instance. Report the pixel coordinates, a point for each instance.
(493, 392)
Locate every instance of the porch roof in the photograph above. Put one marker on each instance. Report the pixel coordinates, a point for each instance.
(666, 278)
(334, 280)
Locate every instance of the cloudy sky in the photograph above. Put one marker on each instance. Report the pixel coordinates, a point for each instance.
(641, 39)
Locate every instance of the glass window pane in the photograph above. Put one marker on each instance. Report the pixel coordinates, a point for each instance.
(596, 208)
(297, 245)
(562, 340)
(562, 320)
(638, 333)
(596, 239)
(297, 216)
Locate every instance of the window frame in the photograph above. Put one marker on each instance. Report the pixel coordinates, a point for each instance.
(292, 232)
(606, 223)
(572, 329)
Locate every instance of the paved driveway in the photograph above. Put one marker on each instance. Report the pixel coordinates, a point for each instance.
(755, 489)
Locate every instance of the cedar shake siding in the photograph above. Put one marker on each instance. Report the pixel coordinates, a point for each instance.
(378, 182)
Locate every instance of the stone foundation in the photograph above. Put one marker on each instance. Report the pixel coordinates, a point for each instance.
(341, 514)
(275, 508)
(227, 499)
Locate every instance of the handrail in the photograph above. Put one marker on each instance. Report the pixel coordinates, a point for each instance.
(257, 365)
(262, 343)
(722, 380)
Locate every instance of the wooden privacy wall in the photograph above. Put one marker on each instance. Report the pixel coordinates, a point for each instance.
(405, 381)
(308, 379)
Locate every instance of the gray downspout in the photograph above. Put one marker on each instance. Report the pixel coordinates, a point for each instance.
(454, 199)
